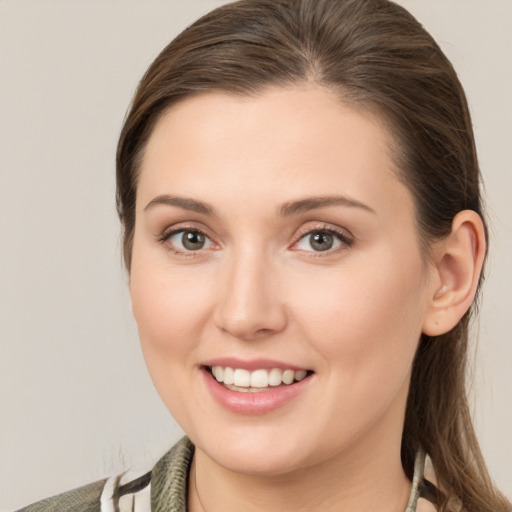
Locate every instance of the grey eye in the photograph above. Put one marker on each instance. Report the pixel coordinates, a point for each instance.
(189, 240)
(192, 240)
(320, 241)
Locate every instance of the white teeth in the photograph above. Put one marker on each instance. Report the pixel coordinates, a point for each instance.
(229, 375)
(242, 378)
(257, 379)
(301, 374)
(218, 373)
(275, 377)
(288, 376)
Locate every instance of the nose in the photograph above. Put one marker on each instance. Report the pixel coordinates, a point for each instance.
(249, 306)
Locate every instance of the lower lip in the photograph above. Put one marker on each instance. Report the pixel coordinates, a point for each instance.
(250, 403)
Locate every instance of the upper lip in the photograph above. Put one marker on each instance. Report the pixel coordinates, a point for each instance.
(252, 364)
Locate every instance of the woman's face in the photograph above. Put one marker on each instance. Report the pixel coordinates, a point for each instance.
(274, 242)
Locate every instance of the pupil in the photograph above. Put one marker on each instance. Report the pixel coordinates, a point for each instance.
(192, 240)
(321, 241)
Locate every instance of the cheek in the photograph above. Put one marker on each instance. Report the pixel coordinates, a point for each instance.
(365, 319)
(166, 306)
(364, 326)
(170, 307)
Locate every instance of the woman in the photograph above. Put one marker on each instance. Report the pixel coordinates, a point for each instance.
(299, 192)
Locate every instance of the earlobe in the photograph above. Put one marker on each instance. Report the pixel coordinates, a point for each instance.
(458, 261)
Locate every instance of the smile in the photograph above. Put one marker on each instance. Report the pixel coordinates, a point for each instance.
(255, 387)
(240, 379)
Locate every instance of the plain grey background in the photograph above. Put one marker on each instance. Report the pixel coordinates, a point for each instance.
(76, 403)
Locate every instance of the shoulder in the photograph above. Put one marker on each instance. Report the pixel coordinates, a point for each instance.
(127, 492)
(165, 485)
(169, 479)
(83, 499)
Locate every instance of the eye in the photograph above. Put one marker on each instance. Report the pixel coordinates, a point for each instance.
(322, 240)
(186, 240)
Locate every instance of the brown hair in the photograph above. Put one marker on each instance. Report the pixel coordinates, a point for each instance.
(376, 56)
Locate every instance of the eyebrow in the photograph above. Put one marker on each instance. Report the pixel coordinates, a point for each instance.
(182, 202)
(312, 203)
(287, 209)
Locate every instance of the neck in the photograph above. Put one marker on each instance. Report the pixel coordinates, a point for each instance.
(363, 480)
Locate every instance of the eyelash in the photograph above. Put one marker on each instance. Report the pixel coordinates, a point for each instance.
(167, 235)
(346, 240)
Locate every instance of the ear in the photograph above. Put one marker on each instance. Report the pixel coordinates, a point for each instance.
(457, 264)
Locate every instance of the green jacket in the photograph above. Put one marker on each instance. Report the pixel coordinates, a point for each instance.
(164, 489)
(165, 486)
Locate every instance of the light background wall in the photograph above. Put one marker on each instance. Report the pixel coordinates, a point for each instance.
(76, 403)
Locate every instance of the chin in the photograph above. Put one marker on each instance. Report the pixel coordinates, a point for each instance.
(257, 454)
(264, 463)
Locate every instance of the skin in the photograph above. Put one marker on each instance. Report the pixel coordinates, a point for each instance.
(353, 315)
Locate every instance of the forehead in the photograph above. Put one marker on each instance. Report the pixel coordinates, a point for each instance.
(280, 142)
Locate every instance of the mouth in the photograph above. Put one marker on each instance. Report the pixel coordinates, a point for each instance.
(258, 380)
